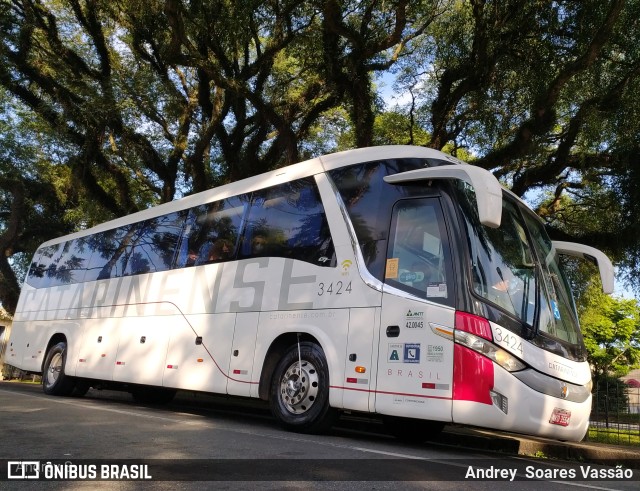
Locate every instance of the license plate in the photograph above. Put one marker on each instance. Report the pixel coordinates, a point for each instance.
(560, 417)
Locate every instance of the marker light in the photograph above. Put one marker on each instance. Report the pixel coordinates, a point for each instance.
(361, 369)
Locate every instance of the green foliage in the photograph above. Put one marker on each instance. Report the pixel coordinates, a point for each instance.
(610, 396)
(128, 103)
(611, 329)
(32, 197)
(545, 94)
(392, 128)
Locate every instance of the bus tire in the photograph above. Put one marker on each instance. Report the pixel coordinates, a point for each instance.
(302, 403)
(54, 381)
(412, 430)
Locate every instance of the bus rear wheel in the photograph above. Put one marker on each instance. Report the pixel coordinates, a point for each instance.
(54, 381)
(299, 395)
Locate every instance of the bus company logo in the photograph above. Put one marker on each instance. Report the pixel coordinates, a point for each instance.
(23, 469)
(563, 369)
(413, 315)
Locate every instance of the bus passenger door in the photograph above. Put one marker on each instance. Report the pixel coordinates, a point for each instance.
(415, 356)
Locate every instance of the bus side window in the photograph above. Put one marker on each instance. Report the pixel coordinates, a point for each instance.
(211, 233)
(418, 259)
(119, 252)
(161, 244)
(288, 221)
(38, 271)
(155, 245)
(72, 263)
(107, 251)
(66, 265)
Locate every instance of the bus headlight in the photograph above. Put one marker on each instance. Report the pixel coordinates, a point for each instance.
(503, 358)
(506, 360)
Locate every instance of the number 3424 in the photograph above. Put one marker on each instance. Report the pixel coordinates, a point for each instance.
(337, 288)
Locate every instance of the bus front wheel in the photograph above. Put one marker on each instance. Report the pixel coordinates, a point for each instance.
(54, 381)
(299, 395)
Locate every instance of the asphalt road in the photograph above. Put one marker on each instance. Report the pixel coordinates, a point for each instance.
(237, 445)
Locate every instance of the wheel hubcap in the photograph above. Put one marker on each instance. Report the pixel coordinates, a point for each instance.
(299, 387)
(55, 367)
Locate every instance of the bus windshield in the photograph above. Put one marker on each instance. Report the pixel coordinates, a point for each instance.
(516, 268)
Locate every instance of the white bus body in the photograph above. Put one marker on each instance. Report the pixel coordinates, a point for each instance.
(402, 281)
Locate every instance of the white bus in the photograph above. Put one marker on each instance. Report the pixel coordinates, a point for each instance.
(392, 280)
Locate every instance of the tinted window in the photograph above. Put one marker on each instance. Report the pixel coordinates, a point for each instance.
(113, 250)
(418, 259)
(104, 246)
(153, 244)
(503, 269)
(288, 221)
(212, 232)
(70, 263)
(369, 201)
(557, 310)
(37, 272)
(34, 276)
(107, 250)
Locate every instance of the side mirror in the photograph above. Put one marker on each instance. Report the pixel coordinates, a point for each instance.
(592, 254)
(487, 187)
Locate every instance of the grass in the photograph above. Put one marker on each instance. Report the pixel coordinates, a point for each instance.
(614, 436)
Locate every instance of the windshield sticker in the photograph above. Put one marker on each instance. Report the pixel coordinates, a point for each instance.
(410, 277)
(392, 268)
(556, 310)
(437, 290)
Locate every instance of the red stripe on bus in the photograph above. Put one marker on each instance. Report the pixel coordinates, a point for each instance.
(383, 392)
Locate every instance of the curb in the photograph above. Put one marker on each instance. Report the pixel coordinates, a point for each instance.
(596, 453)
